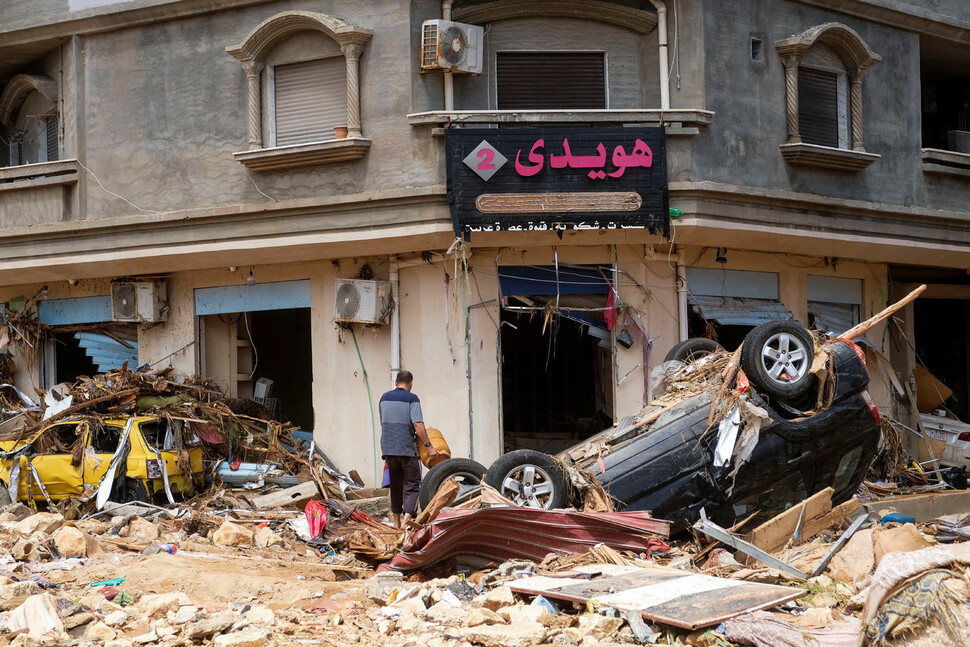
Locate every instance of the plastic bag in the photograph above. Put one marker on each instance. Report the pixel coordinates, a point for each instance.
(316, 517)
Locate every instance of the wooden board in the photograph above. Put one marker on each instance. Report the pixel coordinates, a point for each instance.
(666, 595)
(297, 495)
(775, 533)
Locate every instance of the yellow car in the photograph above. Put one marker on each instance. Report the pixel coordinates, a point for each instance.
(70, 457)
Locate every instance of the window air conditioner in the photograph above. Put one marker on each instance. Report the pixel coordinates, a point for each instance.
(359, 301)
(139, 301)
(451, 47)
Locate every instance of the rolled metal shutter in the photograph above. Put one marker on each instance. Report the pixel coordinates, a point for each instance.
(311, 98)
(550, 80)
(52, 138)
(818, 107)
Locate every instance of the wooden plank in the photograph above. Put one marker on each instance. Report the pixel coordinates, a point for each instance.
(297, 495)
(775, 533)
(666, 595)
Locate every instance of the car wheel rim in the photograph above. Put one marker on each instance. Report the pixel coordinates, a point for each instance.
(785, 358)
(528, 485)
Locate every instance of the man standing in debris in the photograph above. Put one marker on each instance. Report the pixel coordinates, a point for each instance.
(402, 427)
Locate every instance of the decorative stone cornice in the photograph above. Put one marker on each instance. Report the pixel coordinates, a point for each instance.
(847, 44)
(327, 152)
(17, 90)
(608, 12)
(269, 32)
(825, 157)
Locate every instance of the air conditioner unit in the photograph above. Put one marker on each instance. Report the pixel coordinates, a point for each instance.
(360, 301)
(139, 301)
(451, 47)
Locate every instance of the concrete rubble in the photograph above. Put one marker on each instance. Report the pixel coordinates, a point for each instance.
(249, 583)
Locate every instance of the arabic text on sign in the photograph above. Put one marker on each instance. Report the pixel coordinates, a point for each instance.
(641, 157)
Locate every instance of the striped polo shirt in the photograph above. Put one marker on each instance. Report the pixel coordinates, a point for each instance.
(400, 409)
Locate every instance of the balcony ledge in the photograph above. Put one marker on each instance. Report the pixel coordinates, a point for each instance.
(325, 152)
(28, 176)
(826, 157)
(945, 162)
(677, 121)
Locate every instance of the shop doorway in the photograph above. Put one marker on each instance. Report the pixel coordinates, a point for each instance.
(255, 344)
(942, 340)
(264, 356)
(557, 360)
(74, 353)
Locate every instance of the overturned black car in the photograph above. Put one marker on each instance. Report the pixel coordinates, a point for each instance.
(803, 435)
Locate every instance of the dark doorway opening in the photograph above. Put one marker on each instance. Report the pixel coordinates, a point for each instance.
(71, 361)
(942, 340)
(281, 339)
(556, 382)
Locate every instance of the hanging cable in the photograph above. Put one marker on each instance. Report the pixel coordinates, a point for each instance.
(370, 402)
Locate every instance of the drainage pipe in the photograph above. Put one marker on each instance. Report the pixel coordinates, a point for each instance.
(682, 299)
(395, 320)
(449, 79)
(662, 47)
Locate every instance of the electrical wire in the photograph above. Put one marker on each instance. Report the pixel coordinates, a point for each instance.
(370, 402)
(249, 333)
(98, 180)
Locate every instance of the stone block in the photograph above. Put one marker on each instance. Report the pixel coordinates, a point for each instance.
(232, 534)
(43, 522)
(250, 638)
(70, 542)
(522, 635)
(266, 538)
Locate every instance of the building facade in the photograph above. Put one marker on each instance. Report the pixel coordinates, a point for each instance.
(230, 167)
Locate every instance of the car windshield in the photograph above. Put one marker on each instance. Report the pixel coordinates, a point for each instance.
(166, 435)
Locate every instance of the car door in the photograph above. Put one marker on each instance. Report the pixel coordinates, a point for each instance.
(53, 463)
(103, 441)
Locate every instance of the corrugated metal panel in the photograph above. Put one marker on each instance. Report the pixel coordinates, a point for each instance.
(818, 107)
(833, 317)
(833, 289)
(105, 352)
(550, 80)
(311, 98)
(501, 534)
(542, 279)
(732, 283)
(281, 295)
(60, 312)
(738, 311)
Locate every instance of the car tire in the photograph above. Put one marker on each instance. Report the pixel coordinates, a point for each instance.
(777, 357)
(692, 349)
(468, 472)
(129, 490)
(529, 478)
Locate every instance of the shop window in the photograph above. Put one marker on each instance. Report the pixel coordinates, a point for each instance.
(29, 121)
(303, 78)
(824, 71)
(550, 80)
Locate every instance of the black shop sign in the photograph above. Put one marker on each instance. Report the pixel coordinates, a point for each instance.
(538, 179)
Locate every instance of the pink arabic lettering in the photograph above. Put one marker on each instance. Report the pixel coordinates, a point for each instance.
(534, 157)
(641, 157)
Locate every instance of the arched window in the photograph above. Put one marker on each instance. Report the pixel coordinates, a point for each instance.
(303, 80)
(824, 70)
(28, 115)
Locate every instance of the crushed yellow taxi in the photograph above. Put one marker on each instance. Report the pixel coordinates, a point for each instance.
(69, 458)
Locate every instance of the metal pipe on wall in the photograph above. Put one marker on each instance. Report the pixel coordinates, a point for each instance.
(662, 49)
(395, 320)
(449, 79)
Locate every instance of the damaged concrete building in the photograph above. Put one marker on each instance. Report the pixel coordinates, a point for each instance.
(213, 184)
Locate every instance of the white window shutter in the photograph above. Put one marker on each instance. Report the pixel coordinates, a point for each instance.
(311, 98)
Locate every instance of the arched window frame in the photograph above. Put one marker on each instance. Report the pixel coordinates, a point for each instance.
(857, 57)
(252, 52)
(17, 90)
